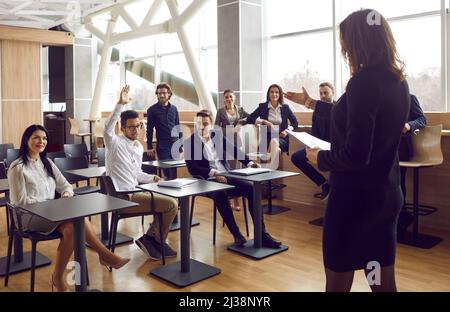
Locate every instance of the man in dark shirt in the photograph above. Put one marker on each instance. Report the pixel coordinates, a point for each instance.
(163, 117)
(321, 129)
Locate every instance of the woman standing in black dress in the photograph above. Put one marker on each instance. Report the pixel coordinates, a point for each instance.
(367, 122)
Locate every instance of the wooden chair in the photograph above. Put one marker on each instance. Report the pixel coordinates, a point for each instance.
(427, 153)
(75, 129)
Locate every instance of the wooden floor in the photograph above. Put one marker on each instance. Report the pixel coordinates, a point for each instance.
(298, 269)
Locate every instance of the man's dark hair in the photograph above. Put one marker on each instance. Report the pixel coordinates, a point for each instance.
(205, 113)
(129, 114)
(327, 84)
(164, 85)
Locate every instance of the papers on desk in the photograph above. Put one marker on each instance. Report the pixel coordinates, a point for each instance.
(249, 171)
(177, 183)
(310, 141)
(174, 162)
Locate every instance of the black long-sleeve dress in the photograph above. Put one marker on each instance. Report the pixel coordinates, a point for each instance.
(365, 197)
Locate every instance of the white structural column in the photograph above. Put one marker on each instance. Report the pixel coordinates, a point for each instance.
(206, 100)
(106, 56)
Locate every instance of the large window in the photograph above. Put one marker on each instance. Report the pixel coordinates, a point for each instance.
(300, 48)
(163, 55)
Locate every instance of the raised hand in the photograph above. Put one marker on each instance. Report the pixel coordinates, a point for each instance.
(298, 97)
(123, 98)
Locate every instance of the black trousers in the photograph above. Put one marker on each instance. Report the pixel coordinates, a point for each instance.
(242, 188)
(301, 162)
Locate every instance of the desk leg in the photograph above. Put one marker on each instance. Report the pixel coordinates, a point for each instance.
(79, 239)
(22, 261)
(270, 209)
(187, 271)
(253, 248)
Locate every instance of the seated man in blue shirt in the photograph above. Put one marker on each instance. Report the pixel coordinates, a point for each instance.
(163, 117)
(206, 154)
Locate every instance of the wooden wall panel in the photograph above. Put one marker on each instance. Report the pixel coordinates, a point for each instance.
(16, 117)
(49, 37)
(21, 75)
(21, 88)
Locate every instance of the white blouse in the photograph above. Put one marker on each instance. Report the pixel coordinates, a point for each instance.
(31, 184)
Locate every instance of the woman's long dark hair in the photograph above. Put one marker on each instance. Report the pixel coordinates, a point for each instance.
(280, 90)
(23, 152)
(365, 43)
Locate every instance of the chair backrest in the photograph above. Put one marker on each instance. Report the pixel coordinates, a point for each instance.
(76, 150)
(65, 164)
(3, 174)
(3, 149)
(53, 155)
(16, 219)
(11, 155)
(99, 127)
(74, 126)
(107, 186)
(101, 157)
(427, 146)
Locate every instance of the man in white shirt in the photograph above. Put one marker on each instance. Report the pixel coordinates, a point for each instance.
(123, 165)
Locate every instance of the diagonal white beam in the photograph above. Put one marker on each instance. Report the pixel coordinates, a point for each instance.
(151, 13)
(140, 33)
(190, 12)
(203, 93)
(95, 31)
(127, 18)
(106, 56)
(20, 7)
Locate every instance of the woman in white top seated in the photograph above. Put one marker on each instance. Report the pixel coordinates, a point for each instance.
(35, 178)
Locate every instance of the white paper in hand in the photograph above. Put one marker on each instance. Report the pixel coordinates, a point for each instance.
(310, 141)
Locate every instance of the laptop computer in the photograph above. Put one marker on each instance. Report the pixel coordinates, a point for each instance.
(249, 171)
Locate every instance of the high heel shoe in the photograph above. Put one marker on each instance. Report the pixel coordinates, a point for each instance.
(54, 286)
(115, 265)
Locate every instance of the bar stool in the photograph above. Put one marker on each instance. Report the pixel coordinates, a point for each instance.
(427, 153)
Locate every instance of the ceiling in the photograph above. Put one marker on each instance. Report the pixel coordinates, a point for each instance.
(46, 14)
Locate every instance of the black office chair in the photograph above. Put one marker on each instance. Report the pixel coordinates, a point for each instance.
(3, 149)
(65, 164)
(17, 229)
(53, 155)
(11, 155)
(76, 150)
(244, 202)
(107, 188)
(4, 200)
(101, 157)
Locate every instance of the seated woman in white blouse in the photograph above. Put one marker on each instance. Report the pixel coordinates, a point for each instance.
(35, 178)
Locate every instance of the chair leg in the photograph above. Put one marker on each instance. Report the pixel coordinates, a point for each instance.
(192, 213)
(244, 204)
(33, 264)
(114, 234)
(8, 257)
(7, 219)
(111, 230)
(214, 223)
(87, 274)
(160, 223)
